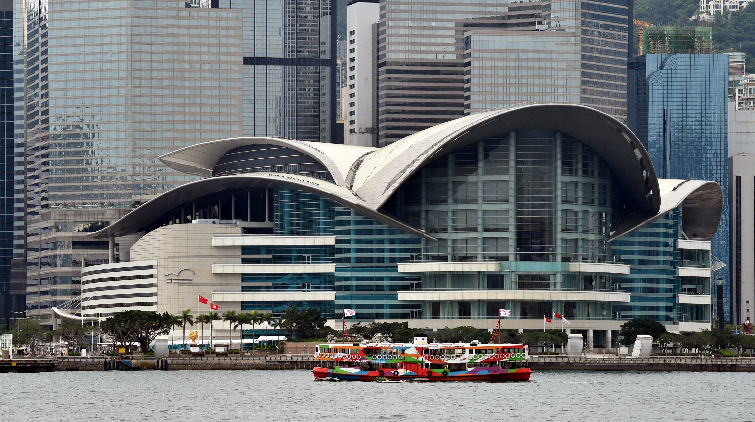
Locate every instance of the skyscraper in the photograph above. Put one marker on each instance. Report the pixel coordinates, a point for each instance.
(678, 109)
(11, 294)
(289, 67)
(438, 60)
(102, 89)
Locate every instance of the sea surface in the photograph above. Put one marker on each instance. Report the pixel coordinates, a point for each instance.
(294, 396)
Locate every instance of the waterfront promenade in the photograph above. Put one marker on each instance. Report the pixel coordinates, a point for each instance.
(285, 362)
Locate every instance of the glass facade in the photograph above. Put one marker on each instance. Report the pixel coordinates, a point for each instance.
(365, 254)
(533, 201)
(654, 282)
(11, 293)
(525, 196)
(289, 68)
(679, 112)
(426, 59)
(94, 117)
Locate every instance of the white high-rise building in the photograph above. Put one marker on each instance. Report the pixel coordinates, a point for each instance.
(711, 7)
(362, 15)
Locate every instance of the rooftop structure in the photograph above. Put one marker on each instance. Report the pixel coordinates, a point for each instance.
(670, 40)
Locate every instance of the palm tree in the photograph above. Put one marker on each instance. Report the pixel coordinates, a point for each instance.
(202, 319)
(242, 319)
(173, 320)
(212, 316)
(186, 318)
(231, 317)
(267, 317)
(255, 318)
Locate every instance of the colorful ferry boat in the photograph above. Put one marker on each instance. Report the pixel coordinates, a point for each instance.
(422, 361)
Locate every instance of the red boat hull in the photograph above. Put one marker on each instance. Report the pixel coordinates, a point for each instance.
(521, 374)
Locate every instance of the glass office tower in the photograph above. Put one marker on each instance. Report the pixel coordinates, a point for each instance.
(11, 294)
(440, 60)
(102, 89)
(678, 109)
(289, 68)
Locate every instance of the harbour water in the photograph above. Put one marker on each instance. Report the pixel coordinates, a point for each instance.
(294, 396)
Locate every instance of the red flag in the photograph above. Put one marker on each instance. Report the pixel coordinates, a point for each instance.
(548, 320)
(214, 307)
(556, 315)
(202, 299)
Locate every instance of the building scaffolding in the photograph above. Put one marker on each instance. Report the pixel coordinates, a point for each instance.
(672, 40)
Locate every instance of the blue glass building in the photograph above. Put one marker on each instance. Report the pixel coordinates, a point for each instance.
(678, 109)
(12, 298)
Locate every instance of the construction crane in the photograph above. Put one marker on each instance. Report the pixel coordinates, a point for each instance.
(641, 34)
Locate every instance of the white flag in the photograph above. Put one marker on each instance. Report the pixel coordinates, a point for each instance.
(349, 312)
(566, 321)
(504, 312)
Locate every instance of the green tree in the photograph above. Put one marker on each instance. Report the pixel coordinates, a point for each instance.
(173, 320)
(640, 326)
(256, 318)
(214, 316)
(29, 332)
(241, 319)
(204, 319)
(186, 318)
(140, 327)
(231, 317)
(73, 334)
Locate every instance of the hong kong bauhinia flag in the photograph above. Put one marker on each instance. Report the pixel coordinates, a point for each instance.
(214, 307)
(504, 312)
(548, 320)
(202, 299)
(349, 312)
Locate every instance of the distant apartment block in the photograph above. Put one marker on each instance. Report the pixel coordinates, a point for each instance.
(438, 61)
(360, 84)
(711, 7)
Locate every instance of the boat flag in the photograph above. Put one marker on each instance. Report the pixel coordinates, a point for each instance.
(214, 307)
(349, 312)
(202, 299)
(504, 312)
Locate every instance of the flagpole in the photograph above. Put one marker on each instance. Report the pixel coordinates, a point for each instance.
(343, 326)
(499, 326)
(543, 323)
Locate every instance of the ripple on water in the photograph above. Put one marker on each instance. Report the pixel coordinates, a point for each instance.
(294, 396)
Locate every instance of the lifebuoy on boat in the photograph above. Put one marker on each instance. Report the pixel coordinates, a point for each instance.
(429, 373)
(445, 372)
(395, 373)
(381, 373)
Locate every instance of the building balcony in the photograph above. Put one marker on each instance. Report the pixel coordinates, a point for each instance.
(450, 267)
(692, 271)
(276, 296)
(520, 295)
(700, 245)
(310, 268)
(256, 240)
(599, 267)
(694, 299)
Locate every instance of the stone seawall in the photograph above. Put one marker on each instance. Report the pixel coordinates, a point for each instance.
(660, 363)
(283, 362)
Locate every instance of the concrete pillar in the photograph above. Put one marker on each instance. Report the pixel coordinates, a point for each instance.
(589, 339)
(219, 209)
(249, 206)
(110, 249)
(608, 339)
(193, 210)
(233, 207)
(183, 216)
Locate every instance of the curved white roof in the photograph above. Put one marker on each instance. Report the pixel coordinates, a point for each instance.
(200, 159)
(365, 178)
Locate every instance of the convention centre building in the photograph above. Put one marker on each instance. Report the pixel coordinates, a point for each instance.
(537, 209)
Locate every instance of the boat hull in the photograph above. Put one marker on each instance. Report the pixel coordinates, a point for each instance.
(520, 374)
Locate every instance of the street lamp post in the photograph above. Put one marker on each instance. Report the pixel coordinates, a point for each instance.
(720, 302)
